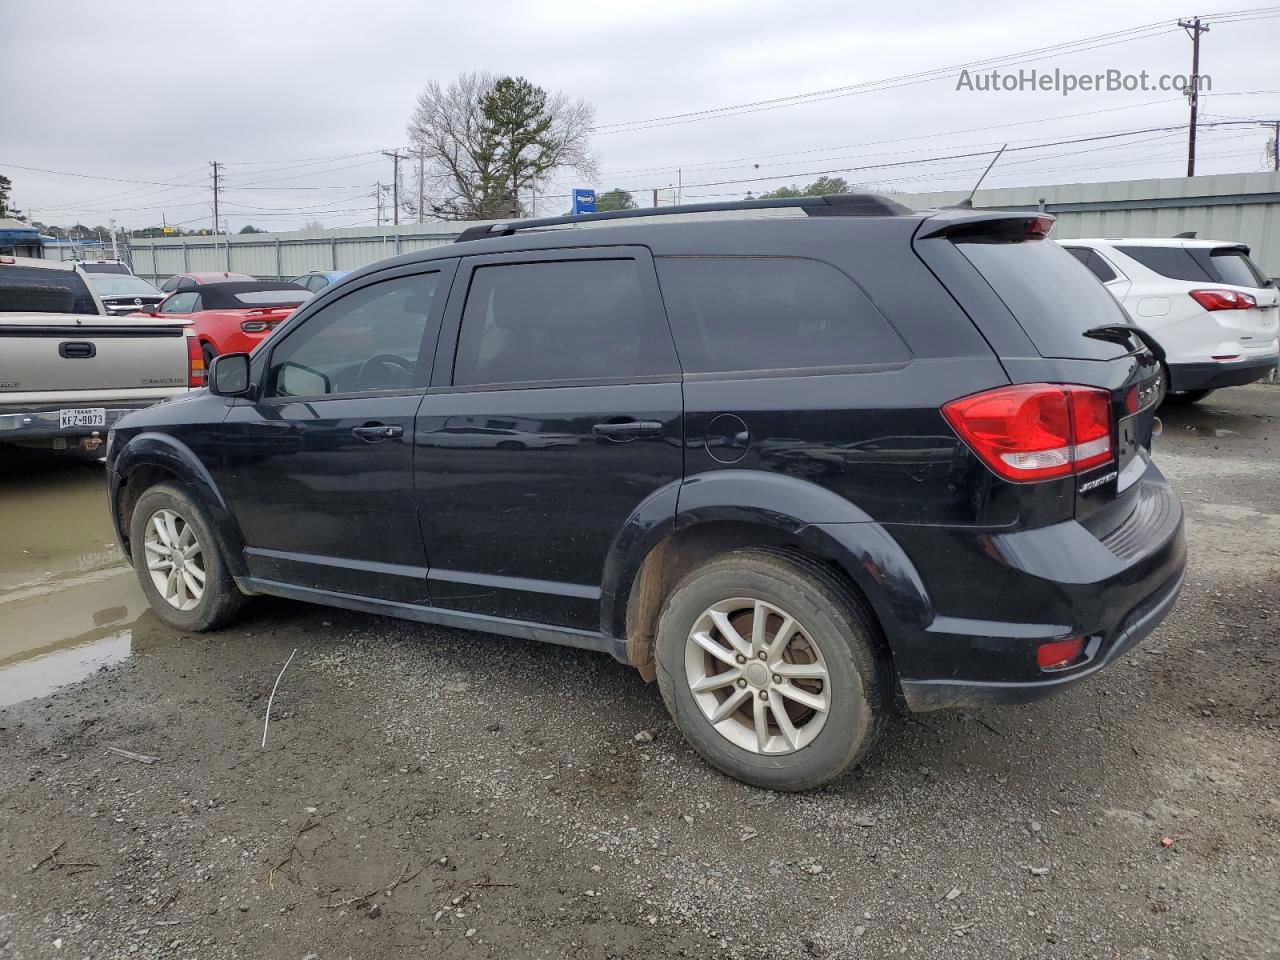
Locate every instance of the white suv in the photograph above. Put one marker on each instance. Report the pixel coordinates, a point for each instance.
(1210, 307)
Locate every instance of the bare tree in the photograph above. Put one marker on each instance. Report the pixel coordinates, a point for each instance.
(487, 142)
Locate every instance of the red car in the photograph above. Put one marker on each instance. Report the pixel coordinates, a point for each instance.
(185, 281)
(233, 317)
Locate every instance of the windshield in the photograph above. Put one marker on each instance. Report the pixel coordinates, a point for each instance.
(1051, 294)
(122, 285)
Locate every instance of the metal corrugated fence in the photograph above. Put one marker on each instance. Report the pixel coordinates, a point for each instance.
(1238, 207)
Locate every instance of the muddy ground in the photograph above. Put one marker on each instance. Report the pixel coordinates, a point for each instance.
(435, 793)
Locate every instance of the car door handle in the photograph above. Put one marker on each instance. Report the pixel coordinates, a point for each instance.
(375, 432)
(628, 429)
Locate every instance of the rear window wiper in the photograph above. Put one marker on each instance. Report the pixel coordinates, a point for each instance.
(1121, 332)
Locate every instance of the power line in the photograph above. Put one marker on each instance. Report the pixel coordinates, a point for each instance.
(1113, 38)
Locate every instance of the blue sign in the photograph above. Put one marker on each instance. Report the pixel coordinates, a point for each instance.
(584, 201)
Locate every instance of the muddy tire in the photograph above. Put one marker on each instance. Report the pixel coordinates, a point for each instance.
(179, 563)
(788, 705)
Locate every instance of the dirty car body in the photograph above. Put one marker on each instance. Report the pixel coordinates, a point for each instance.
(951, 432)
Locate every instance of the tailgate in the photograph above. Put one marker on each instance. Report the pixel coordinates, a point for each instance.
(56, 353)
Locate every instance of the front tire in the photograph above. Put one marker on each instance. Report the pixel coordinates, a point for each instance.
(179, 563)
(768, 664)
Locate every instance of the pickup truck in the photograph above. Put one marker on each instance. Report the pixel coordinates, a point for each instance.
(68, 371)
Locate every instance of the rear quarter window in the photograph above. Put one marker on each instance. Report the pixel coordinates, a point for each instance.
(771, 313)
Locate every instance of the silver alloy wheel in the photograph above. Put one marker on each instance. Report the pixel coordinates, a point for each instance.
(175, 559)
(756, 676)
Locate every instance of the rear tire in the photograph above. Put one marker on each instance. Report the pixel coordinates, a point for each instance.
(806, 712)
(179, 563)
(209, 353)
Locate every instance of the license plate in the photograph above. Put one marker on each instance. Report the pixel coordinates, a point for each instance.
(82, 417)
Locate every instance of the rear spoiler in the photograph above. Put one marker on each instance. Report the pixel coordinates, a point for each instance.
(995, 224)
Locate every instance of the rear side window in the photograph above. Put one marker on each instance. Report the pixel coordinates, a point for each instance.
(560, 320)
(1053, 300)
(33, 290)
(1096, 265)
(1235, 267)
(1172, 262)
(771, 313)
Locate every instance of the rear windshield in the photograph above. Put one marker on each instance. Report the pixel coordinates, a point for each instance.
(272, 298)
(1050, 293)
(33, 290)
(1235, 267)
(104, 268)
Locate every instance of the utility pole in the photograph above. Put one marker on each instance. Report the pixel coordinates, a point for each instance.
(1193, 28)
(377, 196)
(115, 245)
(1275, 144)
(395, 184)
(215, 202)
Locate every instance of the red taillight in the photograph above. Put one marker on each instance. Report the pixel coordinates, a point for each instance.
(1059, 653)
(1223, 299)
(195, 363)
(1035, 431)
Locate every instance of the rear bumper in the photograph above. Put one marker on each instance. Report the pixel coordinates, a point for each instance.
(996, 597)
(43, 422)
(1215, 375)
(940, 694)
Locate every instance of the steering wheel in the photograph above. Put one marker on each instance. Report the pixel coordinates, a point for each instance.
(384, 359)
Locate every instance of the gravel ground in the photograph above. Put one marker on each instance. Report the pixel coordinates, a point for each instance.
(436, 793)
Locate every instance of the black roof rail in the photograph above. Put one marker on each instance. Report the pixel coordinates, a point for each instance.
(834, 205)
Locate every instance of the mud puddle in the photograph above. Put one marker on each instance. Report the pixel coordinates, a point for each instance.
(69, 601)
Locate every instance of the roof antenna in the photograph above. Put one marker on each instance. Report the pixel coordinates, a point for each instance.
(967, 202)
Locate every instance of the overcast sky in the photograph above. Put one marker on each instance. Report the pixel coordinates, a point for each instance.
(151, 90)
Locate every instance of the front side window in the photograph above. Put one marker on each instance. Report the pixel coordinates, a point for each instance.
(771, 313)
(369, 340)
(560, 321)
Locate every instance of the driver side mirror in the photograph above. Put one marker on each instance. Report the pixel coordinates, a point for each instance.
(151, 309)
(229, 375)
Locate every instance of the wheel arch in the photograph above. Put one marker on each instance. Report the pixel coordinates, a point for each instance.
(682, 526)
(151, 458)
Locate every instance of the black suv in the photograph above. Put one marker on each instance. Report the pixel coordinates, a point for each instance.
(795, 466)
